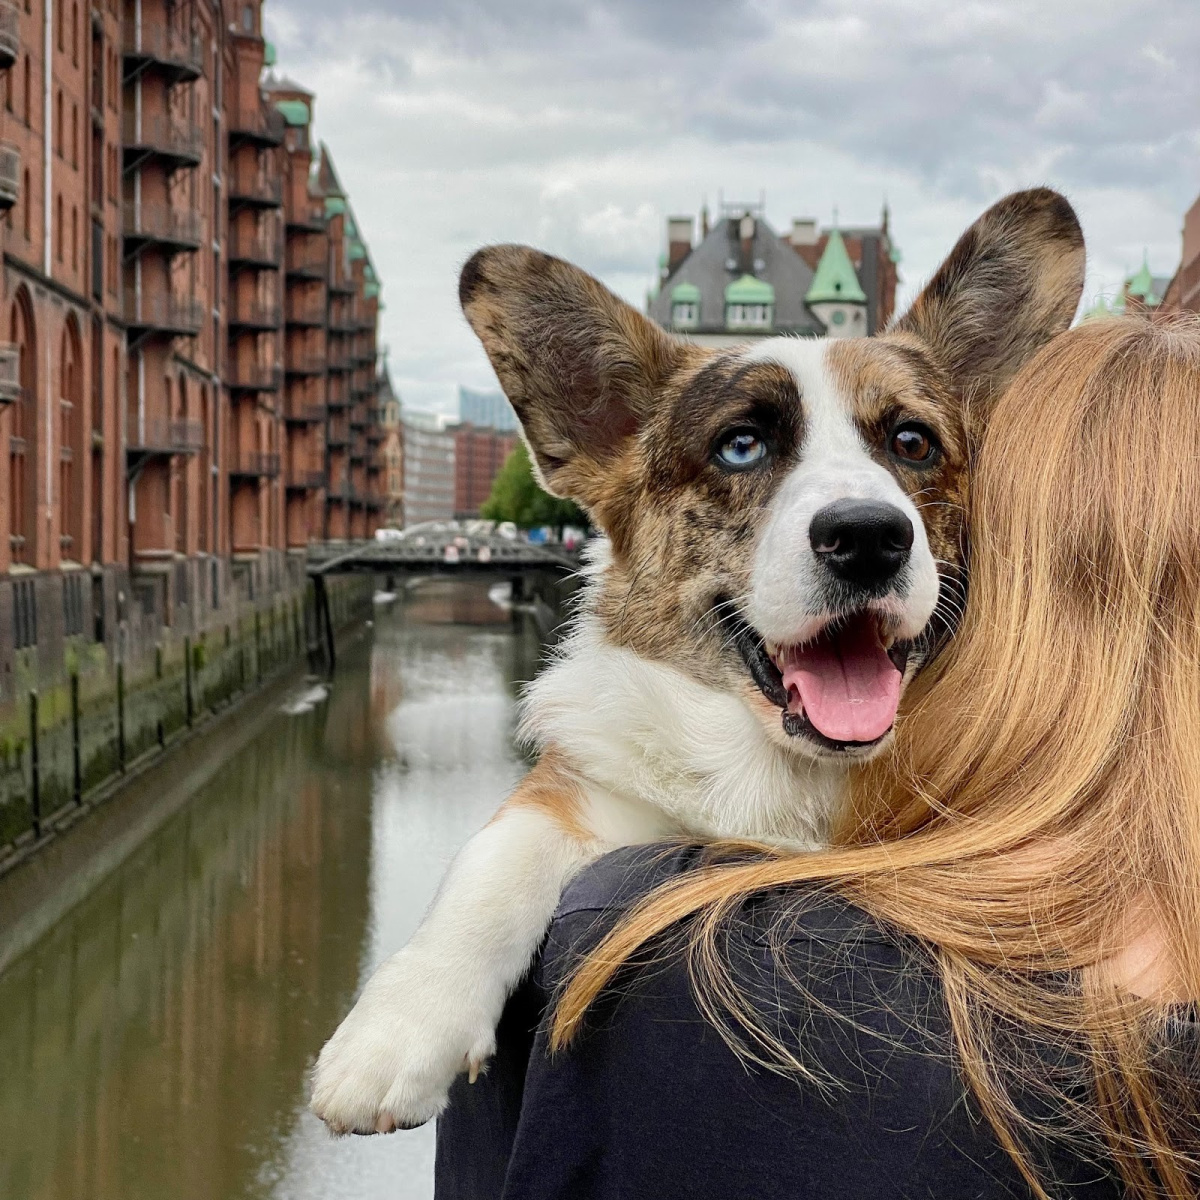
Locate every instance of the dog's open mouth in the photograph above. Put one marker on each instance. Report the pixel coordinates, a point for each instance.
(840, 689)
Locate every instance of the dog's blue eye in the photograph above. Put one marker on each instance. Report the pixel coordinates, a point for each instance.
(741, 449)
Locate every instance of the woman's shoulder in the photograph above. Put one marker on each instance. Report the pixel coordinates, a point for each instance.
(598, 896)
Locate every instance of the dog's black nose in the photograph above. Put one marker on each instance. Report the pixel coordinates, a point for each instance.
(864, 542)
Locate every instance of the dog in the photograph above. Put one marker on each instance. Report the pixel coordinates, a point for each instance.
(783, 545)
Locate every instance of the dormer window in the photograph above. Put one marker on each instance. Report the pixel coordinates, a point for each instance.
(749, 304)
(685, 306)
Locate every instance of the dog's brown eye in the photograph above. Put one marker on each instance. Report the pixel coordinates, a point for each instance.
(913, 443)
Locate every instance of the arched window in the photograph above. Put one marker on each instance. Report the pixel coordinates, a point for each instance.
(74, 238)
(27, 200)
(75, 135)
(23, 444)
(58, 123)
(75, 33)
(28, 104)
(58, 226)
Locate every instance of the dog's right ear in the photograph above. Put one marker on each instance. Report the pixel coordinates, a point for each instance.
(580, 366)
(1012, 282)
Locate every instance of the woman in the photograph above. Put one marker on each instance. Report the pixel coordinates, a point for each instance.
(1009, 928)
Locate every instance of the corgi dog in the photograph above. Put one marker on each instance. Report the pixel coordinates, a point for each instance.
(783, 546)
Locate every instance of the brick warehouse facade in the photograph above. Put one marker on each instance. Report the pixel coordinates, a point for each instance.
(187, 365)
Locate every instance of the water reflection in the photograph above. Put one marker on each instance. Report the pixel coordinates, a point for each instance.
(156, 1042)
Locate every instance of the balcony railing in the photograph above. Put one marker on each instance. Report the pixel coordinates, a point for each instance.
(337, 437)
(300, 413)
(256, 248)
(176, 54)
(10, 175)
(249, 464)
(159, 135)
(305, 310)
(308, 262)
(254, 377)
(171, 315)
(160, 435)
(254, 314)
(10, 372)
(10, 34)
(262, 190)
(163, 225)
(305, 362)
(341, 321)
(264, 126)
(339, 360)
(305, 480)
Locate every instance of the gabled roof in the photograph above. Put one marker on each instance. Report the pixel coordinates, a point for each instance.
(719, 261)
(1142, 284)
(685, 293)
(835, 279)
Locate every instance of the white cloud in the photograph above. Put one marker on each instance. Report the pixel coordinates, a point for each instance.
(579, 126)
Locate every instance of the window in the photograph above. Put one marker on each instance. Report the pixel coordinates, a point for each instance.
(58, 123)
(248, 19)
(58, 226)
(28, 89)
(685, 314)
(59, 14)
(27, 199)
(749, 316)
(74, 238)
(75, 135)
(75, 33)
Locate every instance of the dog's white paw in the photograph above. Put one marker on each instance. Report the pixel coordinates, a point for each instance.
(392, 1060)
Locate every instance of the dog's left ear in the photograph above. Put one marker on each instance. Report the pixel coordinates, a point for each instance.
(580, 366)
(1010, 284)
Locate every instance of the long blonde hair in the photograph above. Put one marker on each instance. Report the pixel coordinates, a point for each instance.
(1041, 807)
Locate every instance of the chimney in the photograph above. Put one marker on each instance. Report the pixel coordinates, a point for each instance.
(804, 231)
(704, 220)
(746, 238)
(679, 240)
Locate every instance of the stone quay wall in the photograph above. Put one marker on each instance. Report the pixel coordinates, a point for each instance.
(100, 676)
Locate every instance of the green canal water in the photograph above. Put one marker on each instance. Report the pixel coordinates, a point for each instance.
(155, 1042)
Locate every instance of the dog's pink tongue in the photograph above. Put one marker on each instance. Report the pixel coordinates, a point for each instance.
(849, 687)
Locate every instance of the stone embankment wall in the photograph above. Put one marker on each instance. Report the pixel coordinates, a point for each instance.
(77, 712)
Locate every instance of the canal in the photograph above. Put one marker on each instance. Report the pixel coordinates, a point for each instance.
(155, 1041)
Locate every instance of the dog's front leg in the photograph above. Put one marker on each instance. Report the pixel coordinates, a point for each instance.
(431, 1010)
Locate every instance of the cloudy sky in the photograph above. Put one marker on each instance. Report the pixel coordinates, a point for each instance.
(578, 125)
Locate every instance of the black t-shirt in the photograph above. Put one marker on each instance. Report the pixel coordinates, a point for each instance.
(651, 1102)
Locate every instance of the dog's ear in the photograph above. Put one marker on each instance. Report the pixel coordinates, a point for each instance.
(580, 366)
(1011, 283)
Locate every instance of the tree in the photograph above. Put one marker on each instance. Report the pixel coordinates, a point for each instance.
(516, 497)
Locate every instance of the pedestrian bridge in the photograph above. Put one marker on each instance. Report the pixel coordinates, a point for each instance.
(540, 574)
(444, 548)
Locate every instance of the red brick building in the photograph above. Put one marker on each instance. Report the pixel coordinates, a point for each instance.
(478, 456)
(188, 376)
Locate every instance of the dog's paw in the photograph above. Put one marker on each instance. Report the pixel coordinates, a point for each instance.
(392, 1060)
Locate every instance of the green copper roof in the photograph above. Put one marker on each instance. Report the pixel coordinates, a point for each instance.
(269, 55)
(749, 290)
(357, 250)
(1142, 285)
(1098, 310)
(334, 205)
(835, 278)
(295, 112)
(371, 290)
(369, 272)
(1118, 305)
(687, 293)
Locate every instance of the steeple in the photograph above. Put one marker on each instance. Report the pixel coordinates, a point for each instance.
(835, 279)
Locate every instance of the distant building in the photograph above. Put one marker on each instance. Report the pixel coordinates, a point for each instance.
(478, 456)
(1141, 292)
(486, 409)
(428, 468)
(393, 451)
(742, 280)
